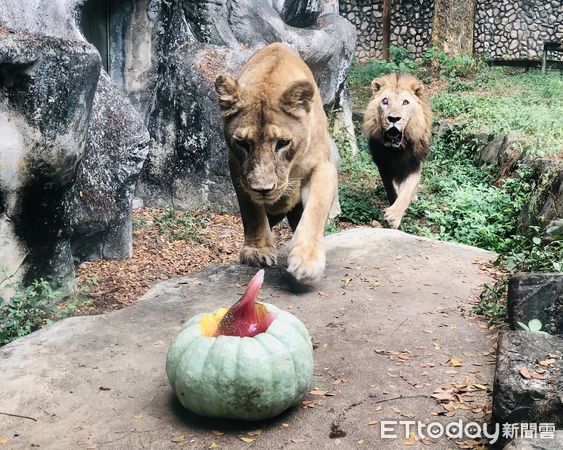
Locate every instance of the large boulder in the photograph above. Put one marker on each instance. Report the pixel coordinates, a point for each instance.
(46, 92)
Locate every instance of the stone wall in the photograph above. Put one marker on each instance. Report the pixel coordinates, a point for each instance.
(411, 25)
(504, 29)
(508, 29)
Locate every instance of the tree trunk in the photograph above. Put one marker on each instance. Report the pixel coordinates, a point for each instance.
(386, 28)
(452, 28)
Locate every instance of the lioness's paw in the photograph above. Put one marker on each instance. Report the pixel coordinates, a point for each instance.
(306, 263)
(393, 217)
(258, 256)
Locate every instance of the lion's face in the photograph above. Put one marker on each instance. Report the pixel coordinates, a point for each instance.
(265, 129)
(397, 110)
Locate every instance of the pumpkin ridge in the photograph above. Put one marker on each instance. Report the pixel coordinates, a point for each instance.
(181, 355)
(295, 385)
(270, 364)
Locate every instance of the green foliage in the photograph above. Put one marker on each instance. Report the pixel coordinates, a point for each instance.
(534, 326)
(492, 302)
(34, 307)
(180, 225)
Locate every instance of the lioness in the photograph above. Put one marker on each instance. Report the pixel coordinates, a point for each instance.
(397, 124)
(279, 158)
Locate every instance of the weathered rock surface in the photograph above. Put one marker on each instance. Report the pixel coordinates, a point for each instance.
(520, 399)
(100, 380)
(538, 443)
(536, 296)
(47, 87)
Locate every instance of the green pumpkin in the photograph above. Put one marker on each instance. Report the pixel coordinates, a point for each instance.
(248, 378)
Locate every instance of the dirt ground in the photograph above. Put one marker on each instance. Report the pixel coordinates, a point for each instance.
(164, 247)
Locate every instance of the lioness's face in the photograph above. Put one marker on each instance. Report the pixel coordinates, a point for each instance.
(397, 105)
(265, 132)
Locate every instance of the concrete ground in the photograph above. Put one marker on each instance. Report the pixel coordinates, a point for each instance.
(391, 324)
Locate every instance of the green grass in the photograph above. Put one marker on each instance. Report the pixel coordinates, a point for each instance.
(176, 225)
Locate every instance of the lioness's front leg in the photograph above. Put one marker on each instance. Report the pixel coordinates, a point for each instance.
(306, 259)
(259, 246)
(406, 192)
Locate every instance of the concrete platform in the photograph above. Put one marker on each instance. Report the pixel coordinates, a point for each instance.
(386, 320)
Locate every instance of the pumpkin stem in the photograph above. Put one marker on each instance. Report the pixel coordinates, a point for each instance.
(246, 318)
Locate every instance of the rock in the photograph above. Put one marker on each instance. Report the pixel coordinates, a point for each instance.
(490, 153)
(116, 149)
(96, 365)
(545, 442)
(536, 296)
(519, 399)
(46, 92)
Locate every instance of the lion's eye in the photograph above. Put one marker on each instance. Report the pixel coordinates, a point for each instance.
(281, 144)
(385, 101)
(405, 102)
(242, 143)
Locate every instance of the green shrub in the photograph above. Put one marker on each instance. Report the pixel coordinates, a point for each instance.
(34, 307)
(175, 225)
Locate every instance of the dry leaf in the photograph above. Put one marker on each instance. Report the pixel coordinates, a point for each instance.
(179, 438)
(482, 387)
(4, 441)
(456, 362)
(257, 432)
(338, 381)
(525, 372)
(140, 416)
(537, 376)
(443, 396)
(285, 425)
(218, 433)
(373, 422)
(378, 408)
(546, 362)
(247, 440)
(298, 441)
(213, 445)
(411, 440)
(318, 392)
(360, 442)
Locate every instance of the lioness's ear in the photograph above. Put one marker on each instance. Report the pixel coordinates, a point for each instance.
(297, 96)
(418, 89)
(228, 91)
(376, 85)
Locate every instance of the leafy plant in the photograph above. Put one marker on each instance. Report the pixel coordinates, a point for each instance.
(179, 225)
(33, 307)
(534, 326)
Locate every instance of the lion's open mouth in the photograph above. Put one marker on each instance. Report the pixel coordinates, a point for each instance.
(393, 137)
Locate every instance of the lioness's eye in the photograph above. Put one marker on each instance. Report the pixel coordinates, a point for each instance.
(405, 102)
(282, 143)
(242, 144)
(385, 101)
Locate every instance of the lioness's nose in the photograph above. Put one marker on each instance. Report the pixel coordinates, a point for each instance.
(393, 119)
(262, 189)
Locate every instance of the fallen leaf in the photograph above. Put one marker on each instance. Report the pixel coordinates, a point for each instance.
(139, 416)
(373, 422)
(285, 425)
(411, 440)
(481, 387)
(525, 372)
(546, 362)
(338, 381)
(298, 441)
(537, 376)
(4, 441)
(257, 432)
(217, 433)
(213, 445)
(443, 396)
(247, 440)
(456, 362)
(378, 408)
(318, 392)
(179, 438)
(360, 442)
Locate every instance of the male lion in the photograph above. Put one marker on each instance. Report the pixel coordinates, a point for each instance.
(279, 157)
(397, 124)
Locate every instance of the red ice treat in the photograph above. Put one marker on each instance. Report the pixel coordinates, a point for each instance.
(246, 318)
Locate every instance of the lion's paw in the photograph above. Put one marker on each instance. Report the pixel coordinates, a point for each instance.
(306, 263)
(258, 256)
(393, 217)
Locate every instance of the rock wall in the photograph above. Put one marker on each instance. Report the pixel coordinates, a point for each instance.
(411, 25)
(508, 29)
